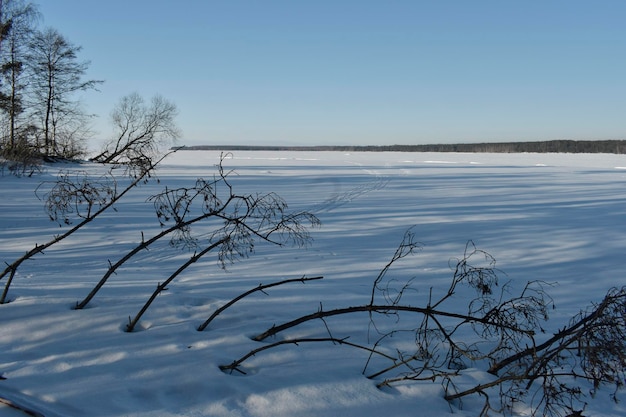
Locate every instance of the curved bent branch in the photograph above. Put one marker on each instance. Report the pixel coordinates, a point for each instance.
(234, 366)
(161, 287)
(381, 309)
(261, 287)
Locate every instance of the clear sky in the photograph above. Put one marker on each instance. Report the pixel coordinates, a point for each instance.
(320, 72)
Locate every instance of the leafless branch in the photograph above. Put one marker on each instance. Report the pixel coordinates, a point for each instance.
(260, 287)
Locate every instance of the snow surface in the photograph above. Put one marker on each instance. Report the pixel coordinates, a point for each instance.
(553, 217)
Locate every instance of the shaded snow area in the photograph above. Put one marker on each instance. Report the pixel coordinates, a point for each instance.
(556, 218)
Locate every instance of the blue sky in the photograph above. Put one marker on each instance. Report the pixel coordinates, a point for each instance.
(364, 72)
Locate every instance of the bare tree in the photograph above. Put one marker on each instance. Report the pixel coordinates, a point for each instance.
(17, 19)
(56, 75)
(141, 130)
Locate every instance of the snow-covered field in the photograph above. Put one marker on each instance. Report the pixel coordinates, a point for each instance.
(559, 218)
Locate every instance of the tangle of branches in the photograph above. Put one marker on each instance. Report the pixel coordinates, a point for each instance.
(497, 330)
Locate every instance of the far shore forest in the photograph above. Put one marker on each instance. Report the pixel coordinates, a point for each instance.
(551, 146)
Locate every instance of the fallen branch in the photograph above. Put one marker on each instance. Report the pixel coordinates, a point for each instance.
(383, 309)
(234, 365)
(261, 287)
(162, 286)
(576, 329)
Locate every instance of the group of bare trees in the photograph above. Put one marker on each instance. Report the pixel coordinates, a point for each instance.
(40, 74)
(40, 114)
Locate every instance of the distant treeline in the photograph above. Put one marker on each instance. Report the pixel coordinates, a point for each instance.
(550, 146)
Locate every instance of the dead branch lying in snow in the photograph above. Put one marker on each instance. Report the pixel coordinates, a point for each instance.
(260, 287)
